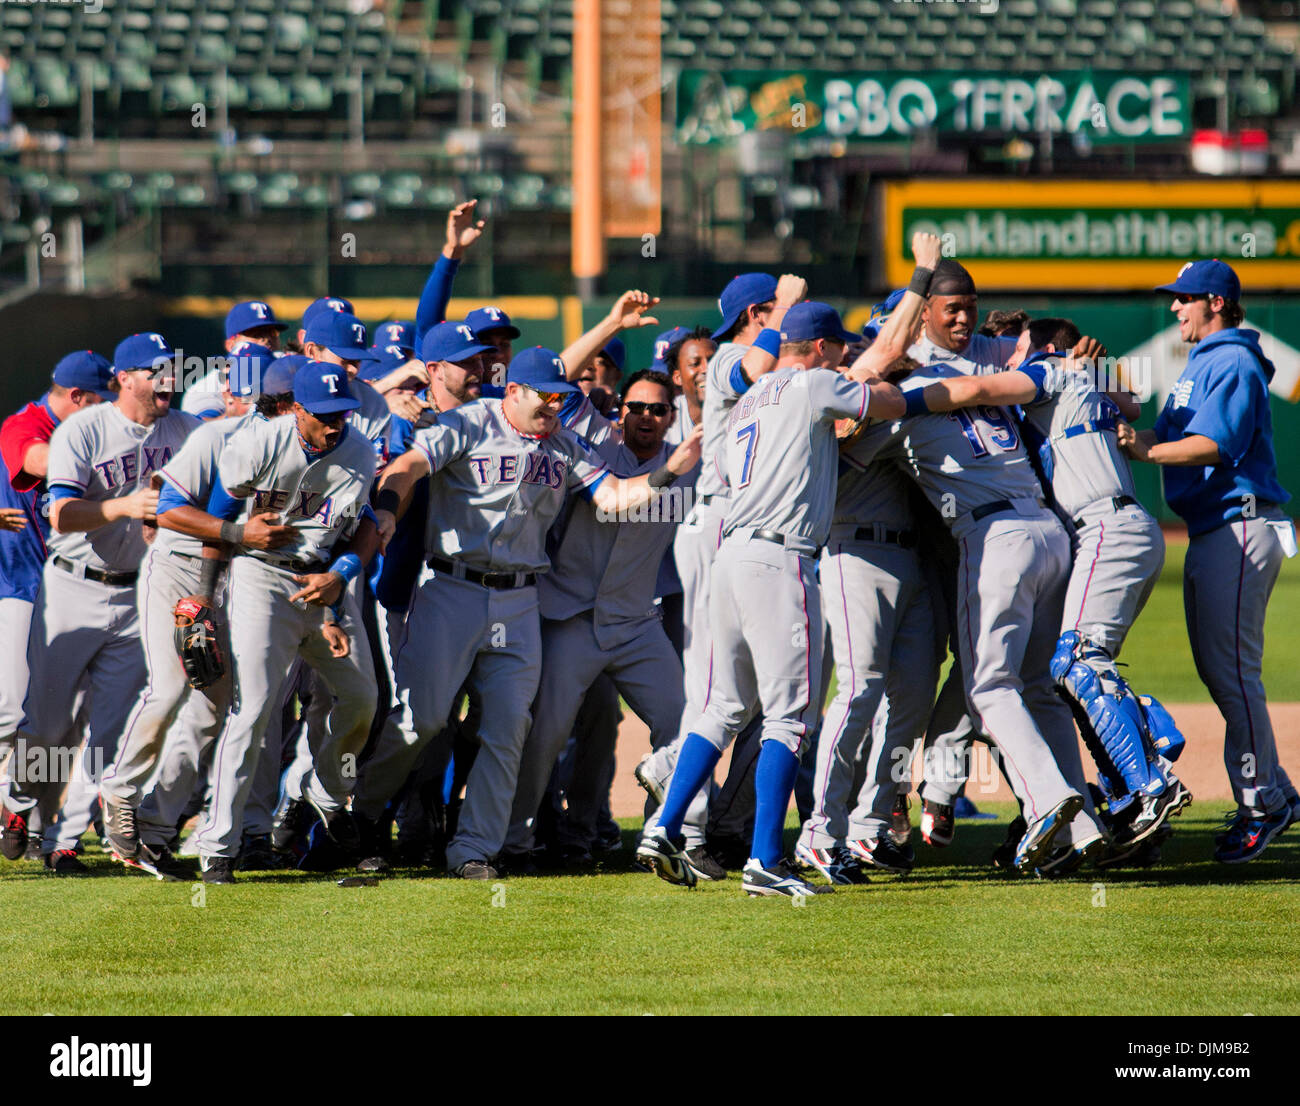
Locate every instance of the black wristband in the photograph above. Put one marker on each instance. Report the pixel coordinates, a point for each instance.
(661, 477)
(920, 282)
(232, 532)
(387, 500)
(209, 574)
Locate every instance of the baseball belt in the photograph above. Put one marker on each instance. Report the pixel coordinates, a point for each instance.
(99, 575)
(1117, 503)
(497, 581)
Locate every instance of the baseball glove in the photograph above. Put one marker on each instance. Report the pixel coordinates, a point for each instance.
(196, 642)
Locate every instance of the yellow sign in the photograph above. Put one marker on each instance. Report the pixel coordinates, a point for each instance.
(1088, 234)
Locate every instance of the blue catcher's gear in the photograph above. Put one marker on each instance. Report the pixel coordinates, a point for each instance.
(1109, 716)
(1166, 739)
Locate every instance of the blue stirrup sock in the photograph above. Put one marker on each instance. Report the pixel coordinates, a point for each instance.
(695, 764)
(773, 785)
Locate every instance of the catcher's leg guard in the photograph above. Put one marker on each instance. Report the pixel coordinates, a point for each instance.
(1087, 676)
(1166, 739)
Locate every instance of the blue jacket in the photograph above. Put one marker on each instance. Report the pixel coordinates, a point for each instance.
(1223, 394)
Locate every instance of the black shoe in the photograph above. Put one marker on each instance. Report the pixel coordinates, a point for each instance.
(1152, 813)
(882, 853)
(218, 869)
(374, 855)
(1004, 856)
(292, 826)
(64, 862)
(476, 869)
(13, 838)
(257, 855)
(519, 864)
(704, 866)
(34, 849)
(731, 852)
(340, 826)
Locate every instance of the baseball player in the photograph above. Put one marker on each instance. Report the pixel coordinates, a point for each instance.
(882, 634)
(501, 472)
(492, 327)
(314, 311)
(173, 571)
(101, 464)
(1119, 551)
(1214, 443)
(1013, 567)
(597, 606)
(339, 338)
(248, 321)
(314, 469)
(780, 456)
(80, 379)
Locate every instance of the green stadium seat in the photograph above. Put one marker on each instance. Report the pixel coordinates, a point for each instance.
(310, 94)
(265, 93)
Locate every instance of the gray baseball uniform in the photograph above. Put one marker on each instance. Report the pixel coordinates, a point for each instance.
(321, 495)
(171, 571)
(780, 454)
(85, 621)
(493, 495)
(1014, 560)
(598, 615)
(882, 635)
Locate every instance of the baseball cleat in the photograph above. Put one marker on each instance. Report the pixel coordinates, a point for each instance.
(654, 786)
(780, 879)
(667, 858)
(476, 869)
(292, 825)
(160, 864)
(1250, 835)
(1068, 859)
(900, 819)
(704, 866)
(339, 825)
(1153, 811)
(33, 849)
(13, 838)
(120, 829)
(937, 824)
(65, 862)
(1037, 842)
(882, 853)
(218, 869)
(838, 865)
(1004, 856)
(257, 855)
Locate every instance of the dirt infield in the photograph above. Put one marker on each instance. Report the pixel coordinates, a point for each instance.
(1200, 767)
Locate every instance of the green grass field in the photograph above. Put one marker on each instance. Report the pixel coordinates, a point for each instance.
(1189, 937)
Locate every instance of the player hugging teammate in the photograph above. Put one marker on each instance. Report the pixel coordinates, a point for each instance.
(407, 585)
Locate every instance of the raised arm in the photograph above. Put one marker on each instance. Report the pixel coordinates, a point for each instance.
(462, 232)
(904, 323)
(761, 357)
(628, 313)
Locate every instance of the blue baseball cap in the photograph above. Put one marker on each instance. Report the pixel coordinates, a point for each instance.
(87, 371)
(142, 351)
(742, 292)
(390, 358)
(809, 320)
(1205, 278)
(203, 404)
(326, 303)
(490, 318)
(541, 369)
(279, 379)
(451, 342)
(249, 315)
(323, 389)
(616, 352)
(664, 343)
(341, 333)
(247, 366)
(396, 333)
(880, 312)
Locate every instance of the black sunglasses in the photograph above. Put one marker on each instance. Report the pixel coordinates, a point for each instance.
(636, 407)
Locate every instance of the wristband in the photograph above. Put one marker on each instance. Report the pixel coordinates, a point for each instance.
(232, 532)
(208, 574)
(336, 609)
(348, 566)
(920, 282)
(769, 341)
(661, 477)
(915, 401)
(387, 500)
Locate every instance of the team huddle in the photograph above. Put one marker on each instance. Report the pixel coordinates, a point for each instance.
(359, 604)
